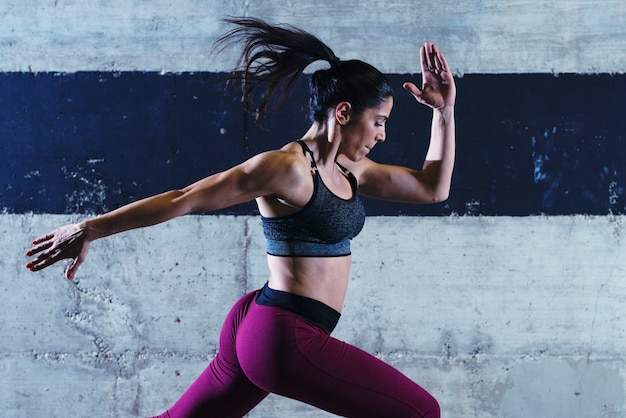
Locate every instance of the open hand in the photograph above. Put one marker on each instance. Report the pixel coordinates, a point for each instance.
(438, 88)
(69, 241)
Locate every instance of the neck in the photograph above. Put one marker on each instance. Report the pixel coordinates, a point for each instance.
(324, 141)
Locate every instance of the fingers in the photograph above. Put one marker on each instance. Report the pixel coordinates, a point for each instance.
(43, 238)
(47, 254)
(424, 59)
(46, 239)
(437, 60)
(70, 271)
(49, 258)
(444, 62)
(40, 261)
(68, 242)
(438, 88)
(35, 263)
(412, 88)
(38, 249)
(432, 59)
(428, 56)
(415, 91)
(44, 260)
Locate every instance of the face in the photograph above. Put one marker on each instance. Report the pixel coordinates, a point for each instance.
(360, 135)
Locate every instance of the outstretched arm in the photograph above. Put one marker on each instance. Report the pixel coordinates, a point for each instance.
(259, 176)
(72, 241)
(432, 183)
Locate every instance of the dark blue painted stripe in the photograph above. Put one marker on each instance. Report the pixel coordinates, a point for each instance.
(89, 142)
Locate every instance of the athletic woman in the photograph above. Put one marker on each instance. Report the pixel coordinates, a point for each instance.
(278, 339)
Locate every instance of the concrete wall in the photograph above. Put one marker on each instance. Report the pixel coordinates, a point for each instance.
(497, 315)
(490, 36)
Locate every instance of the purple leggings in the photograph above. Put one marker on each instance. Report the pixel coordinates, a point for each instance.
(267, 349)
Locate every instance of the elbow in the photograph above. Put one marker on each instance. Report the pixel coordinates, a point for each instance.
(440, 194)
(437, 182)
(440, 197)
(180, 203)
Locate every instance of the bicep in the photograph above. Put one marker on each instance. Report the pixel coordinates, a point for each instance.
(215, 192)
(394, 183)
(259, 176)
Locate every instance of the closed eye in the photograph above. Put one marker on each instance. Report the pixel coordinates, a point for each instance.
(380, 121)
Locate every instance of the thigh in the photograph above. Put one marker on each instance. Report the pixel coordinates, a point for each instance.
(222, 390)
(354, 383)
(303, 362)
(219, 392)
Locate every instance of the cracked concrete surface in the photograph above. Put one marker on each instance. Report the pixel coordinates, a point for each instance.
(497, 317)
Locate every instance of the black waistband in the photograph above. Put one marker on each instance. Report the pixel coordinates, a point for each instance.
(311, 309)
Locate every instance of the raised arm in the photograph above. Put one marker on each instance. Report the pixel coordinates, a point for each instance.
(432, 183)
(262, 175)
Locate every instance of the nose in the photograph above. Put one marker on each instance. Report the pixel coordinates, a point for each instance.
(381, 136)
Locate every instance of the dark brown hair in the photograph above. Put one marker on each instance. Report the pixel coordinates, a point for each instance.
(273, 58)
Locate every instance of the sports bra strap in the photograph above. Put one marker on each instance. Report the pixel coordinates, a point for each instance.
(307, 152)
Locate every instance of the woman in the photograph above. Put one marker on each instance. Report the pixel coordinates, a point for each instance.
(277, 339)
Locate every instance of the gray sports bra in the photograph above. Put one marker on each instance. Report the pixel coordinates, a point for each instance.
(323, 228)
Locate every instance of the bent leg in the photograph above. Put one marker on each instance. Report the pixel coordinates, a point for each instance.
(357, 384)
(303, 362)
(222, 390)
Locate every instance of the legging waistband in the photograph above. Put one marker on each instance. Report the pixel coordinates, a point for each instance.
(315, 311)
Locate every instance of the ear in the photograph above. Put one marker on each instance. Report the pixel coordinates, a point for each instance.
(343, 113)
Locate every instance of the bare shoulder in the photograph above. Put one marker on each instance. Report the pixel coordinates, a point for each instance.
(284, 162)
(286, 176)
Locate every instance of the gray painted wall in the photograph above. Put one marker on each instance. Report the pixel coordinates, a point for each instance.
(496, 316)
(490, 36)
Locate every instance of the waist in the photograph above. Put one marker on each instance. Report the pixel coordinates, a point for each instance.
(321, 278)
(313, 310)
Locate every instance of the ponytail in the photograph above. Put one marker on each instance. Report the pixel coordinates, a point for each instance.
(273, 58)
